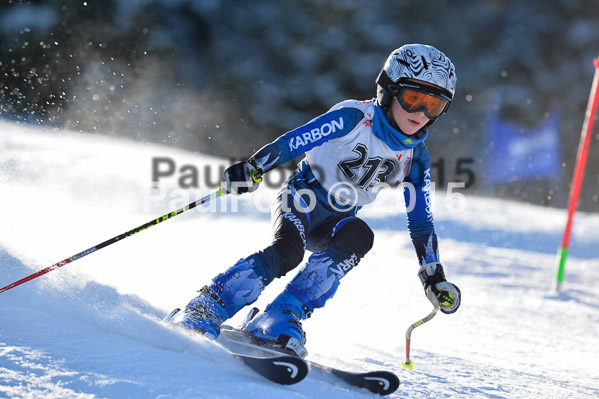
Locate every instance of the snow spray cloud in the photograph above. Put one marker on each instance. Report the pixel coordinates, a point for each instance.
(122, 71)
(147, 103)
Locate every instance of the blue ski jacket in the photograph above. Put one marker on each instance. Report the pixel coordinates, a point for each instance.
(351, 152)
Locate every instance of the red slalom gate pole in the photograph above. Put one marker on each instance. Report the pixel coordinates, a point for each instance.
(579, 168)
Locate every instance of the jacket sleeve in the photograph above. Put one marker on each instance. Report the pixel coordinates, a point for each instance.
(336, 123)
(417, 195)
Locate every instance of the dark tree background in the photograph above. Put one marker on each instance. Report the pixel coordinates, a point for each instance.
(226, 77)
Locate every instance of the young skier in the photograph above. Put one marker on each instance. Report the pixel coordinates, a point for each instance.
(351, 152)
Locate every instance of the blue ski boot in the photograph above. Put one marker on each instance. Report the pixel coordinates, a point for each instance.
(229, 292)
(280, 323)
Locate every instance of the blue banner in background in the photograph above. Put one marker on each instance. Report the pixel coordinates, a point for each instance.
(518, 154)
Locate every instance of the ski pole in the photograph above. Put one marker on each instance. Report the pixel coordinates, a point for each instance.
(120, 237)
(409, 364)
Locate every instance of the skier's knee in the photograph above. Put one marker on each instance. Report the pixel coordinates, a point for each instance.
(353, 236)
(291, 254)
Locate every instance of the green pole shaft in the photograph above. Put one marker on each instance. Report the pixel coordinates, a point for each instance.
(561, 269)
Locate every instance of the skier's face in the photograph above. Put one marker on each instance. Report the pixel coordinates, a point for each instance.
(408, 123)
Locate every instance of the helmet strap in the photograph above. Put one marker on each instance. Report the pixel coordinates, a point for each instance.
(384, 98)
(384, 95)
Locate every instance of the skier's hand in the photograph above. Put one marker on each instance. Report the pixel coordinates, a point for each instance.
(242, 177)
(438, 290)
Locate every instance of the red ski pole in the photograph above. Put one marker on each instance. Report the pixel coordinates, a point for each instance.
(409, 364)
(120, 237)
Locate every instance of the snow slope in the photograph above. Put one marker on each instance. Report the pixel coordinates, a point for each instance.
(93, 328)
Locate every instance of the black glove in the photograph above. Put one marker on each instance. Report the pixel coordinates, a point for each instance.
(438, 290)
(242, 177)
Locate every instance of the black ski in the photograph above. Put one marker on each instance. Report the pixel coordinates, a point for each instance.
(280, 368)
(283, 369)
(379, 382)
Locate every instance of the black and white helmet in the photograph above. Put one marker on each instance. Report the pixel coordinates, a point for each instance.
(416, 61)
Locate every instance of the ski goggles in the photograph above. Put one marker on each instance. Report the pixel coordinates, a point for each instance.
(414, 98)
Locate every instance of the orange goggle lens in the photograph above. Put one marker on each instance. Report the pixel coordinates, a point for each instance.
(414, 100)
